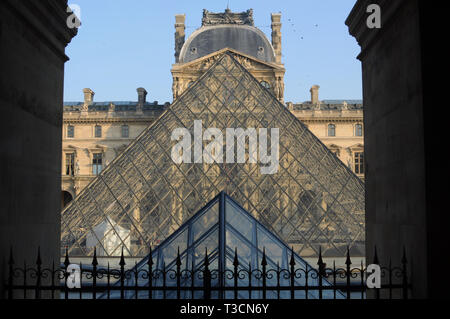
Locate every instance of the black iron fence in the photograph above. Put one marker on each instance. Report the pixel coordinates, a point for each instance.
(176, 282)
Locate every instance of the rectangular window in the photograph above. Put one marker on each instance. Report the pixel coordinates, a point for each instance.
(331, 130)
(70, 161)
(358, 130)
(359, 163)
(70, 131)
(98, 131)
(125, 131)
(97, 163)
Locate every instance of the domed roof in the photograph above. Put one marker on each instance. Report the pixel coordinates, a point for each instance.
(243, 38)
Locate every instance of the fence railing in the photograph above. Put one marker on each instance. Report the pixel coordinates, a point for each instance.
(178, 282)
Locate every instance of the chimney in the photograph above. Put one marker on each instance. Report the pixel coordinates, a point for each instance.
(179, 34)
(314, 94)
(88, 96)
(142, 95)
(276, 36)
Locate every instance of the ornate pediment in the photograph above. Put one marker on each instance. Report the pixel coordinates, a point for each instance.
(227, 17)
(204, 63)
(357, 146)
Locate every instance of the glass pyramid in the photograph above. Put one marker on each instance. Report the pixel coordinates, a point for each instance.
(312, 199)
(223, 230)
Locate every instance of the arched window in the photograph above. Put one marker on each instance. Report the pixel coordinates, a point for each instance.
(265, 84)
(358, 130)
(331, 130)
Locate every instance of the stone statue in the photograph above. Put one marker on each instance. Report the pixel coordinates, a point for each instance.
(280, 88)
(174, 88)
(179, 88)
(77, 167)
(276, 88)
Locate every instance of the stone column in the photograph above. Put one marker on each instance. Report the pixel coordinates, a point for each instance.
(402, 203)
(33, 37)
(276, 36)
(142, 98)
(314, 94)
(179, 34)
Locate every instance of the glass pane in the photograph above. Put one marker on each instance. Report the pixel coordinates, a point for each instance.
(206, 221)
(238, 220)
(244, 251)
(169, 251)
(210, 243)
(274, 249)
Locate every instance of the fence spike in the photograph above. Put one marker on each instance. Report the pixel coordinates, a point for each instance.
(178, 263)
(11, 259)
(375, 257)
(150, 259)
(235, 261)
(206, 257)
(264, 261)
(320, 261)
(39, 261)
(122, 259)
(292, 262)
(404, 260)
(66, 260)
(348, 262)
(94, 260)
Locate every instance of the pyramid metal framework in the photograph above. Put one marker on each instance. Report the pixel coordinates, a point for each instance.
(312, 201)
(225, 231)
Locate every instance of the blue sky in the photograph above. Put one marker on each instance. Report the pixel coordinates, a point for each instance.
(123, 45)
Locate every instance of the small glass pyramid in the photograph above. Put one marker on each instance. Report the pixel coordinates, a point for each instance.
(227, 233)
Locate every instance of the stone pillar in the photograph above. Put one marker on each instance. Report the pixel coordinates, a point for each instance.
(142, 99)
(403, 203)
(314, 94)
(276, 36)
(88, 96)
(33, 37)
(88, 100)
(179, 34)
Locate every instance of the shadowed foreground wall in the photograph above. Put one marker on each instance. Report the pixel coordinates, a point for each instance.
(401, 206)
(33, 37)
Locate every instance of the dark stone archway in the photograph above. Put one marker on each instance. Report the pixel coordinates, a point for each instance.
(66, 198)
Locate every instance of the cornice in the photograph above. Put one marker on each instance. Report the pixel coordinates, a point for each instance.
(329, 118)
(48, 21)
(90, 120)
(357, 21)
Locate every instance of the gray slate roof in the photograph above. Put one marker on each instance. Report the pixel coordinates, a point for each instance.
(120, 106)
